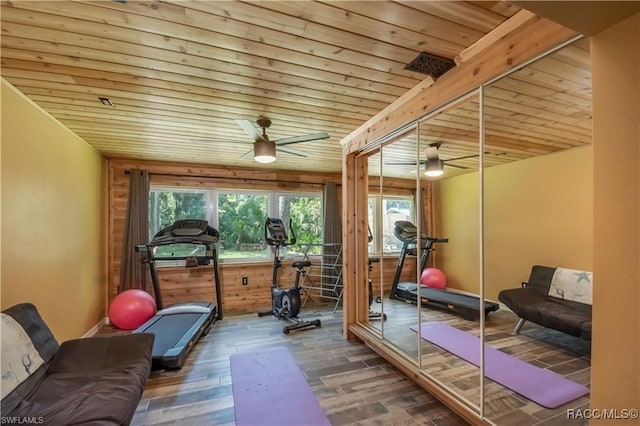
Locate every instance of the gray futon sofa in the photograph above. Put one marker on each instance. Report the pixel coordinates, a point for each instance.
(91, 381)
(556, 298)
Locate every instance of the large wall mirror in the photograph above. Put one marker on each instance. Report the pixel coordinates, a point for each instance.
(453, 134)
(516, 192)
(538, 198)
(392, 199)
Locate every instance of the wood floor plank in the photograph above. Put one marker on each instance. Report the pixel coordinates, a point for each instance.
(357, 413)
(353, 384)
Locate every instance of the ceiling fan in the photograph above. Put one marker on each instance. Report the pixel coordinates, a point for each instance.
(264, 150)
(433, 165)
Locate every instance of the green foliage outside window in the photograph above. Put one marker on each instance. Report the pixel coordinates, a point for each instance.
(240, 219)
(305, 213)
(167, 207)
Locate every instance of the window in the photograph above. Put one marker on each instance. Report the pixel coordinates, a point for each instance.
(393, 209)
(239, 216)
(165, 207)
(240, 221)
(305, 213)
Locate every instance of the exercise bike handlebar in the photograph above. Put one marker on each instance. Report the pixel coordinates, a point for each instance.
(275, 233)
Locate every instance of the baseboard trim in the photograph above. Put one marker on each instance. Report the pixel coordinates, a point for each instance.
(95, 328)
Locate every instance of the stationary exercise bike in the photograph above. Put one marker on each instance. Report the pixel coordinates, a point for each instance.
(285, 303)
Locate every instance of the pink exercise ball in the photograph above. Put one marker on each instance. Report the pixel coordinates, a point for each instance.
(131, 308)
(434, 278)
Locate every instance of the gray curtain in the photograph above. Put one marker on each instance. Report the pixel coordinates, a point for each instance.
(133, 273)
(332, 236)
(425, 206)
(332, 220)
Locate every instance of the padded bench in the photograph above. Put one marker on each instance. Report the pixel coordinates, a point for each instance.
(97, 380)
(556, 298)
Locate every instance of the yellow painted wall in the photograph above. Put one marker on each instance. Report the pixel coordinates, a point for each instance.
(537, 211)
(615, 372)
(52, 212)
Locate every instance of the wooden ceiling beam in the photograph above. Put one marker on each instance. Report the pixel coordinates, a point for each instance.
(490, 38)
(532, 38)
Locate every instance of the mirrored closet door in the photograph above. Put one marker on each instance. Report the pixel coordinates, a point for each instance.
(515, 191)
(392, 203)
(538, 201)
(451, 137)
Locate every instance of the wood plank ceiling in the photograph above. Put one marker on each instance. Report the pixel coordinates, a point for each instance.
(179, 74)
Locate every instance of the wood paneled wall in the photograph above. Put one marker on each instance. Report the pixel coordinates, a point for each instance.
(180, 284)
(389, 270)
(185, 284)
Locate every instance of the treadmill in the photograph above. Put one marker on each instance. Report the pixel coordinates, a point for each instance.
(467, 306)
(178, 327)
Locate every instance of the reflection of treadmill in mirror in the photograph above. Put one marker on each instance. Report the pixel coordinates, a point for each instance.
(467, 306)
(178, 327)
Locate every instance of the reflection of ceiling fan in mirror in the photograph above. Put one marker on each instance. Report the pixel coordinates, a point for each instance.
(433, 165)
(264, 150)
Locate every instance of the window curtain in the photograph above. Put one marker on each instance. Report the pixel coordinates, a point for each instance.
(425, 206)
(133, 273)
(331, 238)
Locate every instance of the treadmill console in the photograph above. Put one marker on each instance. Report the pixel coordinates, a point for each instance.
(405, 231)
(190, 228)
(188, 231)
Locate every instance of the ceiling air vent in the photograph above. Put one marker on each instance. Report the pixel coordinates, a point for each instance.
(430, 64)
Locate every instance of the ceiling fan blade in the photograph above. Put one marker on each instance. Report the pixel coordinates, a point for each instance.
(247, 154)
(251, 130)
(291, 151)
(303, 138)
(210, 141)
(404, 163)
(463, 157)
(446, 163)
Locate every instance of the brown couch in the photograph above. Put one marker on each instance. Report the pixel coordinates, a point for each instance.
(539, 302)
(91, 381)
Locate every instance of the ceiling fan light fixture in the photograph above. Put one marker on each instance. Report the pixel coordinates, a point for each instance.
(434, 168)
(264, 151)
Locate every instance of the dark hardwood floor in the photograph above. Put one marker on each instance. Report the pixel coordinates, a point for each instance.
(352, 383)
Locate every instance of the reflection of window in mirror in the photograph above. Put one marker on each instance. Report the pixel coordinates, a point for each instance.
(392, 171)
(391, 210)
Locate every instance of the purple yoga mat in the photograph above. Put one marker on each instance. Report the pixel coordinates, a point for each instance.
(270, 389)
(539, 385)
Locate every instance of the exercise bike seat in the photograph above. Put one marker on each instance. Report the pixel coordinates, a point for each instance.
(301, 263)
